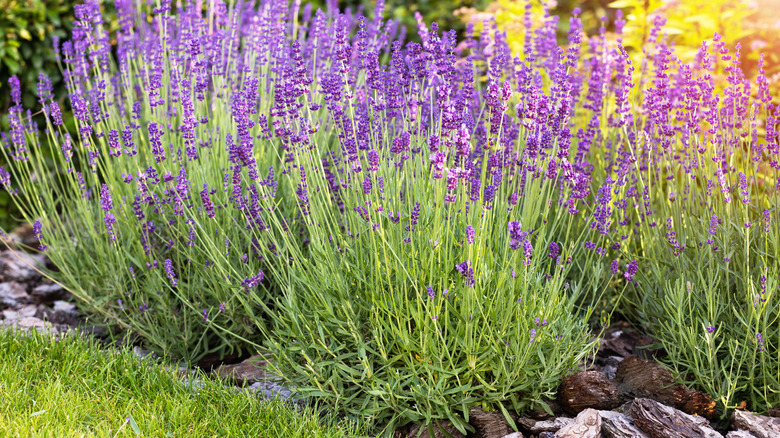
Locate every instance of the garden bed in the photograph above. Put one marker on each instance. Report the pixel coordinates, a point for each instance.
(618, 385)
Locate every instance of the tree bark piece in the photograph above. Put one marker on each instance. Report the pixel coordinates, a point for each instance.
(586, 425)
(588, 389)
(661, 421)
(759, 425)
(535, 427)
(617, 425)
(488, 424)
(740, 434)
(245, 372)
(642, 378)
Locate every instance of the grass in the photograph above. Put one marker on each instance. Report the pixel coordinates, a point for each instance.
(70, 386)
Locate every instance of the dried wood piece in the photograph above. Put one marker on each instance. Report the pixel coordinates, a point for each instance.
(488, 424)
(246, 372)
(586, 425)
(536, 427)
(617, 425)
(642, 378)
(588, 389)
(661, 421)
(740, 434)
(759, 425)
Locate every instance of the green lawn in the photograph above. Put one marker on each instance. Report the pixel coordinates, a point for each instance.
(70, 386)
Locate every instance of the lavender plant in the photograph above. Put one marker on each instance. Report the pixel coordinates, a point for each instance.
(440, 215)
(696, 175)
(145, 216)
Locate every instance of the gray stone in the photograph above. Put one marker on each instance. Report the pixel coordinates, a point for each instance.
(514, 435)
(49, 292)
(29, 310)
(30, 323)
(64, 306)
(13, 294)
(20, 266)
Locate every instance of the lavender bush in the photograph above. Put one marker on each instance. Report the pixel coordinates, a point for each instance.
(438, 231)
(690, 183)
(698, 170)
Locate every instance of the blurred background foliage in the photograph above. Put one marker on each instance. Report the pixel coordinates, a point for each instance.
(29, 27)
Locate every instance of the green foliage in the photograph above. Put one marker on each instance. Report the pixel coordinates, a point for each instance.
(69, 386)
(26, 47)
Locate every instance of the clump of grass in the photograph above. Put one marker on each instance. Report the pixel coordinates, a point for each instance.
(71, 386)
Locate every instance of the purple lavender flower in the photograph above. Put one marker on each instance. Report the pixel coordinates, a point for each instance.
(470, 234)
(207, 204)
(711, 329)
(110, 220)
(631, 270)
(155, 139)
(533, 336)
(554, 250)
(106, 203)
(169, 272)
(431, 293)
(37, 231)
(222, 307)
(466, 271)
(615, 266)
(205, 315)
(56, 114)
(760, 341)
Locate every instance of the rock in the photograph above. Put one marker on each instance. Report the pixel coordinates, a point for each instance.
(487, 424)
(759, 425)
(20, 266)
(740, 434)
(246, 372)
(142, 353)
(444, 429)
(535, 427)
(546, 435)
(13, 294)
(617, 425)
(29, 323)
(588, 389)
(64, 306)
(49, 292)
(774, 412)
(586, 425)
(30, 310)
(642, 378)
(661, 421)
(63, 313)
(514, 435)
